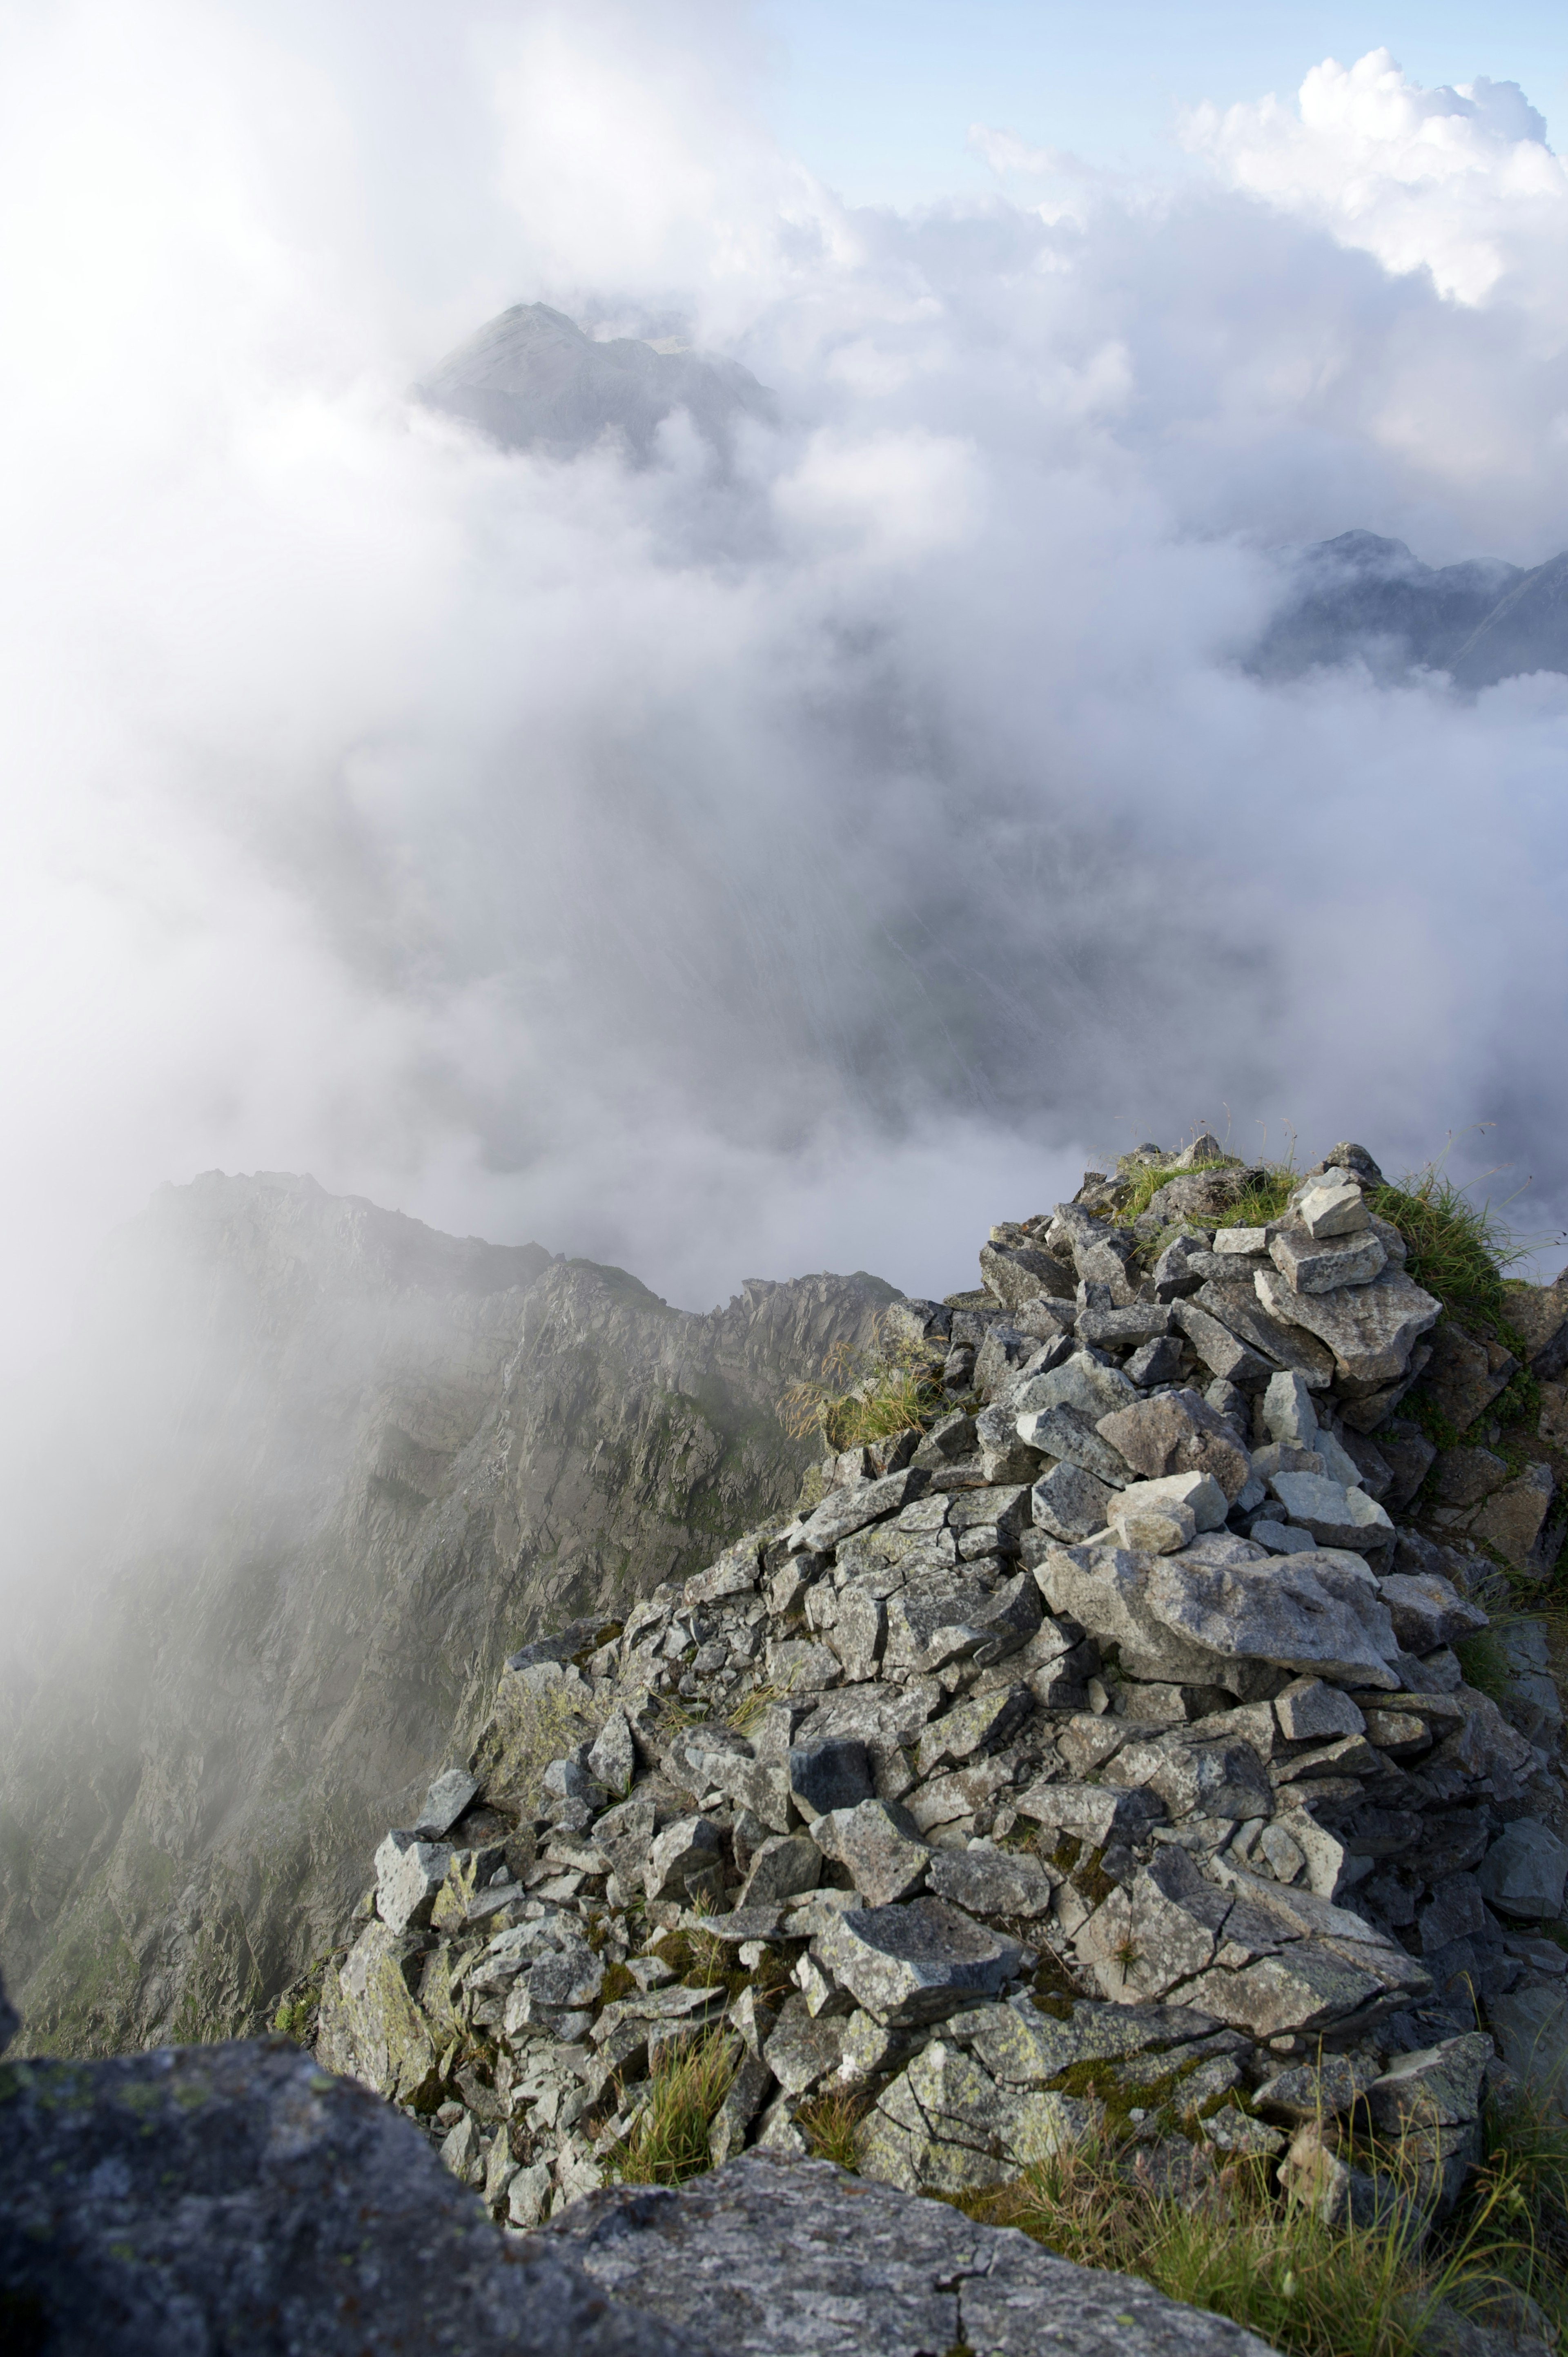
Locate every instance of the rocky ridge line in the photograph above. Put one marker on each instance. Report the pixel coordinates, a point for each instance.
(1100, 1759)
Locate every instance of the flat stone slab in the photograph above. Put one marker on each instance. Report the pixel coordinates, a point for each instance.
(238, 2198)
(917, 1962)
(1370, 1329)
(769, 2257)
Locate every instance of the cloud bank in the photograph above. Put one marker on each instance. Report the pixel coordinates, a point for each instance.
(732, 875)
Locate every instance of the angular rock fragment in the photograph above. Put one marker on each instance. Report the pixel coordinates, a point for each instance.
(1336, 1517)
(409, 1875)
(1067, 1435)
(1301, 1612)
(1235, 1301)
(879, 1845)
(1312, 1264)
(985, 1880)
(1523, 1873)
(1371, 1329)
(917, 1962)
(444, 1802)
(1070, 1504)
(844, 1510)
(1178, 1433)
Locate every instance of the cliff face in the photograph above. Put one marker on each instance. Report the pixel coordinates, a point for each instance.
(323, 1468)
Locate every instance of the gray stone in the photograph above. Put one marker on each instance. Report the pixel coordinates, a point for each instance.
(1093, 1813)
(1178, 1433)
(461, 2150)
(1173, 1272)
(1067, 1435)
(1409, 1456)
(1156, 1362)
(409, 1875)
(1234, 1301)
(1512, 1517)
(1070, 1504)
(985, 1880)
(915, 1962)
(237, 2197)
(981, 1725)
(1220, 1349)
(1538, 1313)
(1317, 1264)
(444, 1802)
(1231, 2130)
(1317, 2091)
(1464, 1376)
(1336, 1516)
(1018, 1274)
(1428, 1610)
(1218, 1779)
(1523, 1873)
(683, 1851)
(784, 1865)
(613, 1759)
(1198, 1494)
(1371, 1329)
(1288, 1412)
(834, 1774)
(743, 2100)
(1301, 1611)
(803, 2050)
(1079, 1383)
(877, 1845)
(945, 2126)
(1439, 2086)
(1334, 1206)
(1463, 1476)
(1020, 2046)
(999, 1358)
(1308, 1711)
(844, 1511)
(1126, 1329)
(767, 2256)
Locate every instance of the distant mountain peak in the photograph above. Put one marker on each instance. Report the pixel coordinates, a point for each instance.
(1363, 598)
(533, 380)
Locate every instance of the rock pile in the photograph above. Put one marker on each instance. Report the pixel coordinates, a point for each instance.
(1099, 1757)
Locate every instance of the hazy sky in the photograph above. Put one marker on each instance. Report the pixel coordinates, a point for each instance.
(879, 96)
(733, 877)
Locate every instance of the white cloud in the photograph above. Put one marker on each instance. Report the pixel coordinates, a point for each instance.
(720, 882)
(1460, 182)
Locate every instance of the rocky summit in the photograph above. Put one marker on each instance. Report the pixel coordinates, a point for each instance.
(1144, 1745)
(1098, 1758)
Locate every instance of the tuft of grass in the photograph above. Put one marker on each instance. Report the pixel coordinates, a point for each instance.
(668, 2141)
(1485, 1663)
(1309, 2289)
(865, 1396)
(1457, 1250)
(831, 2125)
(1142, 1184)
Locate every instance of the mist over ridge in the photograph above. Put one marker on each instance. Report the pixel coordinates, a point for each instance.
(786, 862)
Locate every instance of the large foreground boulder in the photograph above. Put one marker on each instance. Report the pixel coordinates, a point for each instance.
(238, 2200)
(798, 2259)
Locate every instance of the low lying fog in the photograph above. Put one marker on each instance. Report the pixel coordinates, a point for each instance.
(796, 869)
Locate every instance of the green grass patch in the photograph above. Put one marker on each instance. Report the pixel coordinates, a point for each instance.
(668, 2141)
(1485, 1665)
(1457, 1250)
(831, 2126)
(1307, 2288)
(859, 1396)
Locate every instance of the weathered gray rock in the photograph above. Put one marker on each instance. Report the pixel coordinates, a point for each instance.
(1301, 1611)
(1370, 1329)
(945, 2126)
(844, 1511)
(1308, 1711)
(1079, 1383)
(985, 1880)
(879, 1845)
(802, 2048)
(1094, 1814)
(1512, 1517)
(371, 2028)
(1178, 1433)
(1531, 2027)
(1539, 1313)
(1021, 1273)
(915, 1962)
(1317, 2091)
(1067, 1435)
(831, 1774)
(1234, 1301)
(1428, 1610)
(678, 1856)
(1523, 1873)
(613, 1758)
(409, 1875)
(772, 2258)
(236, 2198)
(1070, 1504)
(1465, 1375)
(1317, 1264)
(1220, 1351)
(1336, 1517)
(1181, 1502)
(444, 1802)
(783, 1866)
(1334, 1206)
